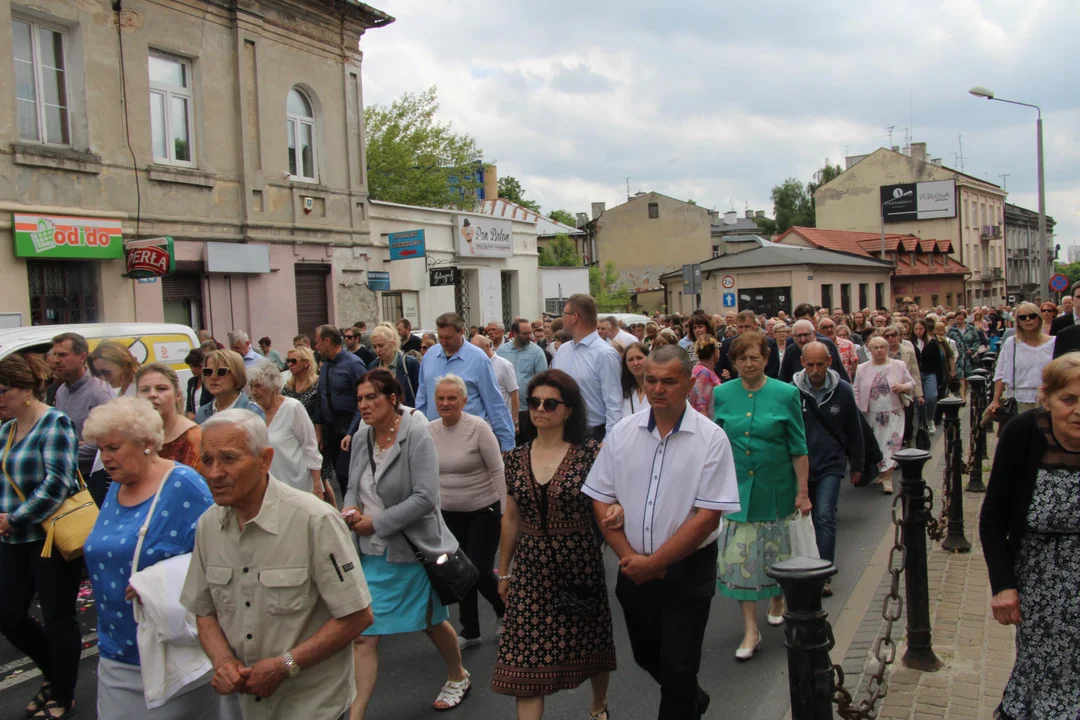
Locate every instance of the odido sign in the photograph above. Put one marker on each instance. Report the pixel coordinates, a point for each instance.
(55, 236)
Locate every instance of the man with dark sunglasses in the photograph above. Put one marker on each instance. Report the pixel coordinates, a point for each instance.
(352, 337)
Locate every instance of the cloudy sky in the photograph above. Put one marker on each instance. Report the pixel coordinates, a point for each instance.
(720, 101)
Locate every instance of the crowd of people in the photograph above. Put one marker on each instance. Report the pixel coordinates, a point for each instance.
(259, 530)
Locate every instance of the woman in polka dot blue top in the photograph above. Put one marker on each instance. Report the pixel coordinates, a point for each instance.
(129, 433)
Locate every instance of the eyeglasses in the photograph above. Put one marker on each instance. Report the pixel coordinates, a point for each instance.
(890, 334)
(1047, 310)
(549, 404)
(220, 372)
(1028, 316)
(350, 337)
(291, 361)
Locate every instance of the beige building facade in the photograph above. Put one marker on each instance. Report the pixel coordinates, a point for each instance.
(235, 128)
(647, 236)
(852, 201)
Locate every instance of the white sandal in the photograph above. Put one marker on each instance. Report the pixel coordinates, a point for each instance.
(452, 693)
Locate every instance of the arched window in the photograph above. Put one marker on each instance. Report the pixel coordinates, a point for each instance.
(300, 123)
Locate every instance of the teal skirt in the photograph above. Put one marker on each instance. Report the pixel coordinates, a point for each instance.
(401, 595)
(746, 549)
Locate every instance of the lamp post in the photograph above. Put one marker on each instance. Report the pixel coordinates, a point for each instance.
(1044, 248)
(892, 199)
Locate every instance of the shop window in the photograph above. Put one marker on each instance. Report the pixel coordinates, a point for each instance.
(41, 88)
(879, 295)
(172, 110)
(845, 297)
(654, 210)
(300, 125)
(826, 296)
(62, 293)
(864, 295)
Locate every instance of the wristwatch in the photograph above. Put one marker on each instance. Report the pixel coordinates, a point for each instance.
(291, 667)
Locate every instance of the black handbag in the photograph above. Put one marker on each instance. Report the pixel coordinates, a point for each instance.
(575, 599)
(451, 576)
(1007, 408)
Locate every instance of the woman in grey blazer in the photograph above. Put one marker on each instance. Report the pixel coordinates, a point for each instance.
(393, 507)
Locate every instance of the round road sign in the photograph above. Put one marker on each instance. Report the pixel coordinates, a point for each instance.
(1059, 283)
(729, 281)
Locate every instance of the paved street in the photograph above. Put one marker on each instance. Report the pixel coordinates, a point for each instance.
(410, 674)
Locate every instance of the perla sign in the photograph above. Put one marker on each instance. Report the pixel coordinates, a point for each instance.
(484, 237)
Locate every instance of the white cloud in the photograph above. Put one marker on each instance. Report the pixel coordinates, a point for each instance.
(719, 103)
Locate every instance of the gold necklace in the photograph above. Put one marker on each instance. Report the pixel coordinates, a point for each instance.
(390, 436)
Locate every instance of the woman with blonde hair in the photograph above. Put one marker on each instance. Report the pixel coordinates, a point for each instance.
(115, 364)
(387, 346)
(1021, 361)
(1030, 531)
(225, 377)
(159, 384)
(303, 385)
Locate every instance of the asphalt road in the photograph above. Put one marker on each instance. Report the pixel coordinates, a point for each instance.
(410, 672)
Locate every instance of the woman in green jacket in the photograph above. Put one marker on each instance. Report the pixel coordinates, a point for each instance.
(760, 415)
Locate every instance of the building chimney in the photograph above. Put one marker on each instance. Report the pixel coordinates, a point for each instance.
(491, 182)
(714, 217)
(729, 217)
(749, 214)
(918, 151)
(761, 213)
(936, 162)
(597, 209)
(582, 219)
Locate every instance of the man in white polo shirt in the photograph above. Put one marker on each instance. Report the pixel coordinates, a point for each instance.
(672, 471)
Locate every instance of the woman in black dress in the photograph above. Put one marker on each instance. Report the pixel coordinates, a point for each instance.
(303, 385)
(557, 628)
(1030, 532)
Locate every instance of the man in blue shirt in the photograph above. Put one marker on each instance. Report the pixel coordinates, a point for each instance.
(595, 365)
(528, 359)
(336, 412)
(454, 356)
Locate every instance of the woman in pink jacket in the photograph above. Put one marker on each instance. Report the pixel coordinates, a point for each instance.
(880, 385)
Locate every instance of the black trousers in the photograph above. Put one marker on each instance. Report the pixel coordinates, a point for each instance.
(909, 423)
(337, 457)
(666, 622)
(478, 534)
(55, 646)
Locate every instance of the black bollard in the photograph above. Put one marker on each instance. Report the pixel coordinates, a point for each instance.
(809, 638)
(955, 541)
(919, 654)
(978, 409)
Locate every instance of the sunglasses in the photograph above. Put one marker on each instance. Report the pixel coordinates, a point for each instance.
(1047, 310)
(889, 335)
(220, 372)
(549, 404)
(350, 337)
(291, 361)
(1029, 316)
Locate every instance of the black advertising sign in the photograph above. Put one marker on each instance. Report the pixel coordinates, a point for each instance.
(444, 277)
(918, 201)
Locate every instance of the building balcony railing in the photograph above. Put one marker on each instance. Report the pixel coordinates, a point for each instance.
(991, 231)
(992, 274)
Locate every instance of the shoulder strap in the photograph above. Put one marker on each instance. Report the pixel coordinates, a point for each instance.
(3, 463)
(811, 405)
(146, 523)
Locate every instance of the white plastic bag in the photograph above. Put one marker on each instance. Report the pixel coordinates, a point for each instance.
(803, 537)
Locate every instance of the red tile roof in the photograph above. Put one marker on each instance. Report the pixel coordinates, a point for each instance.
(867, 244)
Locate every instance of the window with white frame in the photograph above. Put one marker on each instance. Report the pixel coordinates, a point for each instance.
(172, 110)
(300, 124)
(41, 93)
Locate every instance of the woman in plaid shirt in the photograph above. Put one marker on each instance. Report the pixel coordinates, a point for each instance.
(40, 456)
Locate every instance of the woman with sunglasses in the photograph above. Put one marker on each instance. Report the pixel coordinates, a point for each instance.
(225, 377)
(1048, 312)
(197, 395)
(1021, 361)
(558, 621)
(303, 385)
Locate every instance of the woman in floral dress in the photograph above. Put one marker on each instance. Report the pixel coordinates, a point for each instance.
(707, 350)
(557, 627)
(966, 338)
(878, 386)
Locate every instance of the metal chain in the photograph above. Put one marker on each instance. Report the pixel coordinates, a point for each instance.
(885, 647)
(936, 528)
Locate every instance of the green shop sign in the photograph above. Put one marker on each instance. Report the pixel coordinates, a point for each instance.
(55, 236)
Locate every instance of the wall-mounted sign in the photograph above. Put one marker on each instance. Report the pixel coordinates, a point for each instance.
(691, 278)
(1059, 283)
(729, 300)
(150, 258)
(444, 277)
(378, 280)
(237, 258)
(918, 201)
(406, 245)
(55, 236)
(479, 236)
(728, 282)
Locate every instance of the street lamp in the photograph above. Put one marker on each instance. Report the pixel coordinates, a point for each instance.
(897, 195)
(1044, 250)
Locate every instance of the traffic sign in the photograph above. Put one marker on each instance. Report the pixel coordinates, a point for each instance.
(1059, 283)
(729, 282)
(729, 300)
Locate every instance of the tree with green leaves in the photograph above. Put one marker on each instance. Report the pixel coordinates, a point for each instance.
(510, 189)
(414, 159)
(602, 287)
(560, 253)
(793, 203)
(563, 216)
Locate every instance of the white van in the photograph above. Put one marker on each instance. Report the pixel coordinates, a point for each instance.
(148, 342)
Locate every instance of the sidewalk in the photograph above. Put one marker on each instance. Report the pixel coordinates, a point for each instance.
(977, 652)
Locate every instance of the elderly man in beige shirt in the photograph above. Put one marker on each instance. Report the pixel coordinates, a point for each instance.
(275, 583)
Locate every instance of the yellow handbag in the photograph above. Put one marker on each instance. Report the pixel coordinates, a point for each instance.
(68, 527)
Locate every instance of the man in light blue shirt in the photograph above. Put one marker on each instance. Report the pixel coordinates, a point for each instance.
(454, 356)
(528, 360)
(593, 363)
(240, 344)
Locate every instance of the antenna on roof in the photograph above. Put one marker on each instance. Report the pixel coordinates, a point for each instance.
(628, 188)
(960, 144)
(731, 203)
(1004, 180)
(890, 130)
